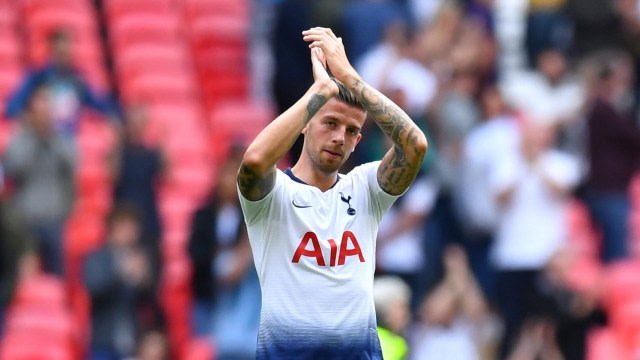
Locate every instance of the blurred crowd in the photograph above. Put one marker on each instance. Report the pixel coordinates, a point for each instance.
(509, 245)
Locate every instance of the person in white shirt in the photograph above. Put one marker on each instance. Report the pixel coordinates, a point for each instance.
(497, 135)
(313, 231)
(532, 187)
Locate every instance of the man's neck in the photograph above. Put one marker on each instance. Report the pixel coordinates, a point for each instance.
(314, 177)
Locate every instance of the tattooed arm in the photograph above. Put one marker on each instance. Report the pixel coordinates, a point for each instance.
(402, 162)
(400, 165)
(257, 173)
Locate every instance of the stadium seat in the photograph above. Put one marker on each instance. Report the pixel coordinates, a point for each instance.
(237, 122)
(7, 129)
(622, 283)
(143, 28)
(158, 89)
(217, 30)
(8, 17)
(240, 9)
(27, 348)
(42, 22)
(199, 349)
(83, 234)
(603, 344)
(41, 290)
(624, 319)
(116, 8)
(152, 57)
(10, 78)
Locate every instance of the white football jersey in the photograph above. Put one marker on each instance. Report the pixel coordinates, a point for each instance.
(314, 252)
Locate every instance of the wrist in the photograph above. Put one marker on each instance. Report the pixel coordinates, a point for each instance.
(325, 87)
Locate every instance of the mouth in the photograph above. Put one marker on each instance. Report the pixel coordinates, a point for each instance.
(333, 153)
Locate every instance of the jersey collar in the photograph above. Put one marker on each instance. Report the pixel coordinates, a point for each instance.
(290, 174)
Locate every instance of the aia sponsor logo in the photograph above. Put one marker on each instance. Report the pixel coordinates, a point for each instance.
(310, 247)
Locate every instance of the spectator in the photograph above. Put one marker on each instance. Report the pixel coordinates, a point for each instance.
(567, 313)
(454, 321)
(119, 280)
(482, 149)
(225, 283)
(547, 26)
(365, 22)
(614, 153)
(536, 340)
(549, 91)
(69, 91)
(390, 66)
(532, 187)
(41, 165)
(137, 169)
(392, 297)
(153, 345)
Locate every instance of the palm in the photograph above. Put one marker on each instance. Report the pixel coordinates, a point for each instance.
(318, 63)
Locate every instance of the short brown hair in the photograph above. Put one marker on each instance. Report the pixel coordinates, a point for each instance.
(347, 96)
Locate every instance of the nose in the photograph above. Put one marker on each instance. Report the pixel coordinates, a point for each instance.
(338, 135)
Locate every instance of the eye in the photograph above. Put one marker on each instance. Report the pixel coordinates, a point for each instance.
(331, 123)
(352, 131)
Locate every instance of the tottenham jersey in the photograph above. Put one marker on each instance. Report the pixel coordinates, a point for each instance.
(314, 252)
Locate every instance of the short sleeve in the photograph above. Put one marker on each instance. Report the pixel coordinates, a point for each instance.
(255, 210)
(381, 201)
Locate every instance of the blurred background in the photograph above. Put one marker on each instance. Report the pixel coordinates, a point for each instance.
(124, 122)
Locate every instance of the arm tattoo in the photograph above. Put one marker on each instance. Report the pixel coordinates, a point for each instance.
(252, 186)
(401, 164)
(314, 104)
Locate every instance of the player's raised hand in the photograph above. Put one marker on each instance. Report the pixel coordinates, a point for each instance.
(333, 50)
(319, 65)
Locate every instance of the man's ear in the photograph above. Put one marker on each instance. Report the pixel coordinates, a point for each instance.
(357, 141)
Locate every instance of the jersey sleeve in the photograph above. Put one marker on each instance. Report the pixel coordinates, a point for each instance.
(381, 201)
(255, 210)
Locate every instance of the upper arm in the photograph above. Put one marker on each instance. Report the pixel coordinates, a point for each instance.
(252, 184)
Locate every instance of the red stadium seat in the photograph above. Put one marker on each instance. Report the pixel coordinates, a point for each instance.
(199, 349)
(27, 348)
(603, 344)
(218, 30)
(38, 321)
(151, 56)
(158, 88)
(116, 8)
(622, 283)
(41, 290)
(237, 9)
(83, 234)
(31, 6)
(7, 129)
(237, 122)
(144, 28)
(8, 18)
(42, 22)
(10, 79)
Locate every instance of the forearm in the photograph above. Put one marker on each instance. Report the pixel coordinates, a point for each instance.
(258, 164)
(401, 164)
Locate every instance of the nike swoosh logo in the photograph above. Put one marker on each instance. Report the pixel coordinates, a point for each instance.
(299, 206)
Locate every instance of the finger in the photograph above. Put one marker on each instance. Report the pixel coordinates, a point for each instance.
(313, 37)
(315, 44)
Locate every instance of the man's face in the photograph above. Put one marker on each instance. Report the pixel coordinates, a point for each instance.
(332, 135)
(62, 50)
(40, 111)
